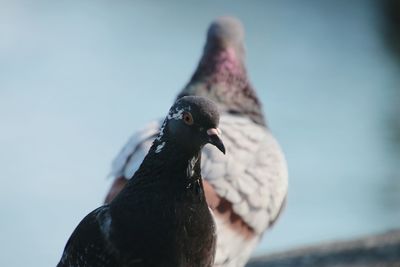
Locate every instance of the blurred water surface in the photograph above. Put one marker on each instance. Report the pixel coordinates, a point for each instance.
(77, 78)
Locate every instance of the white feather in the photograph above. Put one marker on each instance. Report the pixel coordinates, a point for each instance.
(132, 150)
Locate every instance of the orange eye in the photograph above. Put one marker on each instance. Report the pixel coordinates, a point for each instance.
(187, 118)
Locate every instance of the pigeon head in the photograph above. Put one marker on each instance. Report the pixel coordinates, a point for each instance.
(225, 32)
(191, 123)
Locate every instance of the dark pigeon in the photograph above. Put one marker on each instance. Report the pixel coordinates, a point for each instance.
(247, 188)
(161, 217)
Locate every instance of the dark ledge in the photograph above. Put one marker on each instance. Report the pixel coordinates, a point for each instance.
(372, 251)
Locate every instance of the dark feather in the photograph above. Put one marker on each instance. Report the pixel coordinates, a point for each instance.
(161, 217)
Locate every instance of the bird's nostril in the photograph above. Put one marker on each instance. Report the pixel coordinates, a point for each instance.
(213, 131)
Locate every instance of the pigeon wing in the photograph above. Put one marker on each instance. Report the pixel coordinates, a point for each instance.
(132, 154)
(249, 184)
(253, 174)
(88, 245)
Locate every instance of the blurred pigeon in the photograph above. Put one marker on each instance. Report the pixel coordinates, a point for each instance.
(161, 217)
(247, 188)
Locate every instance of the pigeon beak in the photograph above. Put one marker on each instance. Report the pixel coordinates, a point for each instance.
(214, 138)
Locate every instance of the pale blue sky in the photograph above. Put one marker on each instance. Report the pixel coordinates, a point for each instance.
(76, 79)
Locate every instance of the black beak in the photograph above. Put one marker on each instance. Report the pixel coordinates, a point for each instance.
(214, 139)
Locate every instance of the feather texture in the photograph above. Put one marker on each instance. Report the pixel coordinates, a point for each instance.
(161, 217)
(252, 178)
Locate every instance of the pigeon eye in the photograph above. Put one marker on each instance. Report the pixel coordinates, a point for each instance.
(187, 118)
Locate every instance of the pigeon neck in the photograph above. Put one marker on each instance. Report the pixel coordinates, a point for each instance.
(222, 77)
(167, 155)
(177, 171)
(222, 65)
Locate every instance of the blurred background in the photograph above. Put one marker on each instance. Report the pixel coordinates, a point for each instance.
(78, 77)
